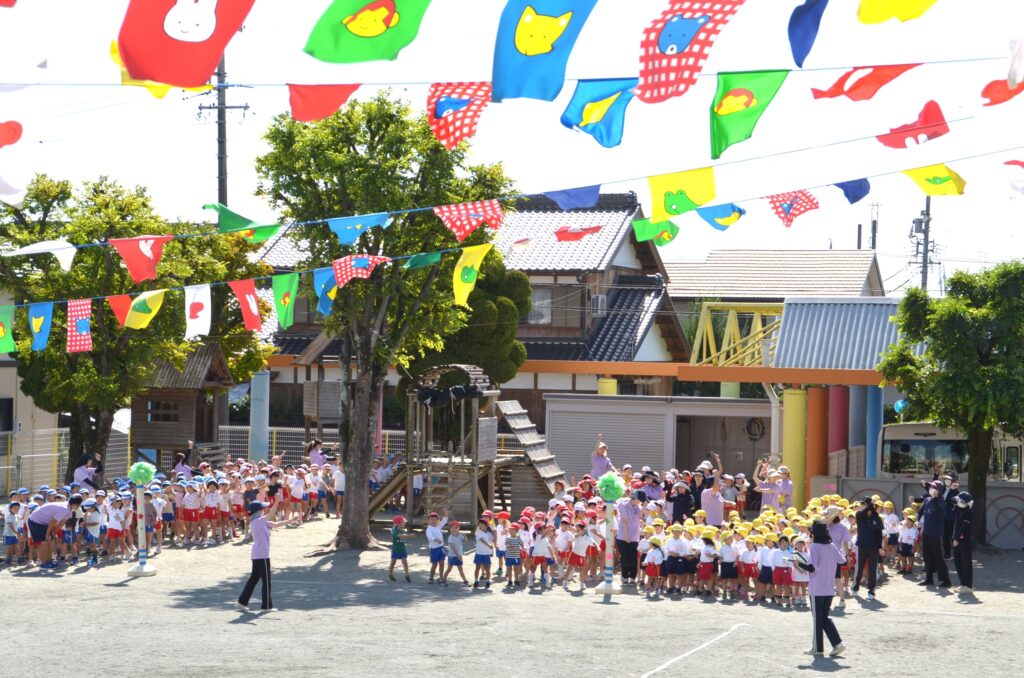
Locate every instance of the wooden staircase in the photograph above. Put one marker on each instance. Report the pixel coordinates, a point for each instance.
(534, 445)
(393, 485)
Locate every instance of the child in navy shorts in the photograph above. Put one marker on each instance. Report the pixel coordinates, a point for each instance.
(398, 548)
(456, 547)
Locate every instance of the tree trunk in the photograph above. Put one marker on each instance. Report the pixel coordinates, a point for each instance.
(76, 444)
(354, 531)
(979, 449)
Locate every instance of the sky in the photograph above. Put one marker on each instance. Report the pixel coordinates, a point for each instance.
(80, 123)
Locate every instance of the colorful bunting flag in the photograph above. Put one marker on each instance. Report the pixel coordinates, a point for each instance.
(198, 311)
(326, 288)
(931, 124)
(178, 42)
(120, 304)
(535, 39)
(7, 344)
(141, 254)
(423, 260)
(310, 103)
(1015, 75)
(79, 325)
(740, 101)
(860, 84)
(855, 190)
(676, 44)
(804, 23)
(231, 222)
(40, 321)
(679, 192)
(521, 244)
(62, 249)
(999, 92)
(348, 229)
(575, 233)
(144, 308)
(1016, 178)
(351, 31)
(662, 233)
(245, 292)
(10, 132)
(467, 271)
(286, 290)
(453, 109)
(937, 180)
(157, 89)
(576, 198)
(6, 188)
(8, 3)
(356, 266)
(879, 11)
(598, 107)
(464, 218)
(721, 217)
(788, 206)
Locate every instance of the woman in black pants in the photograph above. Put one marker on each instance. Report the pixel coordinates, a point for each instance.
(963, 541)
(260, 557)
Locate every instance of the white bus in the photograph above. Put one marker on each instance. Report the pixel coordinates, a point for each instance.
(914, 449)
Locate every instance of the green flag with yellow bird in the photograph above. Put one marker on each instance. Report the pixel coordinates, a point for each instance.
(740, 101)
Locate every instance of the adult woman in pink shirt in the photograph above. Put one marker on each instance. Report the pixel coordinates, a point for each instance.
(260, 556)
(822, 561)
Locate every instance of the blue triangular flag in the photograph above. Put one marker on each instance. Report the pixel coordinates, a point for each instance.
(598, 107)
(576, 198)
(348, 229)
(803, 28)
(721, 217)
(854, 190)
(325, 286)
(40, 319)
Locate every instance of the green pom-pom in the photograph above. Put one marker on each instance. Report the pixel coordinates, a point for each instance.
(611, 486)
(141, 473)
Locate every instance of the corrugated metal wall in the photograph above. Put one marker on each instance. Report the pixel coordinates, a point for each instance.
(635, 438)
(835, 333)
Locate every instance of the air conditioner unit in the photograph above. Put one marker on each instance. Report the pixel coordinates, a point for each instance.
(599, 305)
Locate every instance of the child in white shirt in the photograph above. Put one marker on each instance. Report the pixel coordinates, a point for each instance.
(578, 555)
(435, 544)
(652, 565)
(908, 538)
(800, 577)
(729, 575)
(484, 549)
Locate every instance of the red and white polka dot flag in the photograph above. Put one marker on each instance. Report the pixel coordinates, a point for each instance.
(464, 218)
(788, 206)
(79, 325)
(454, 108)
(356, 266)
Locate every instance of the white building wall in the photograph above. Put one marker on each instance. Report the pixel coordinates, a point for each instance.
(653, 348)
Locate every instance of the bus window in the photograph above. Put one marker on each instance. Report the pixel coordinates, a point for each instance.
(922, 456)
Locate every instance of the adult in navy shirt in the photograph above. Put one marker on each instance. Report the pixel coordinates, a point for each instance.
(869, 545)
(932, 517)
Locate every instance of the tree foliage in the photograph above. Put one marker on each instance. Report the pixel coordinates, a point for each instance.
(970, 375)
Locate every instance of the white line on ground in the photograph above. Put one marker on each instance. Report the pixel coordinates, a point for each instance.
(695, 650)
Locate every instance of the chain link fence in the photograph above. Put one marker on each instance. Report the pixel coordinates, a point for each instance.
(40, 457)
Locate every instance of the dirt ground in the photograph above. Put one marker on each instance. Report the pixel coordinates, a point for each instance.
(339, 616)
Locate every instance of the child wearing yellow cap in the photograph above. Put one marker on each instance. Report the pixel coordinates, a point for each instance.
(748, 568)
(891, 523)
(708, 558)
(729, 575)
(652, 565)
(765, 557)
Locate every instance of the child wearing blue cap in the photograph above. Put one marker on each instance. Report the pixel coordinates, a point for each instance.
(12, 521)
(91, 529)
(260, 557)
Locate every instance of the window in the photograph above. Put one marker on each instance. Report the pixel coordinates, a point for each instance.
(161, 411)
(920, 456)
(540, 314)
(6, 414)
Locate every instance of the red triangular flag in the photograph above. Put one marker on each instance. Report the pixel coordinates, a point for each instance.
(464, 218)
(931, 124)
(316, 102)
(574, 233)
(788, 206)
(999, 92)
(866, 81)
(356, 266)
(245, 291)
(453, 109)
(120, 304)
(142, 254)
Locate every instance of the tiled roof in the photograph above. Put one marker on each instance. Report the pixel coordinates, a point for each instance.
(295, 344)
(280, 252)
(776, 274)
(536, 219)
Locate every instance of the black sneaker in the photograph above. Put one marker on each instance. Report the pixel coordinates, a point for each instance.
(408, 579)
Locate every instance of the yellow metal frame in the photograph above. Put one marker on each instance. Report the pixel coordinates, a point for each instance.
(735, 348)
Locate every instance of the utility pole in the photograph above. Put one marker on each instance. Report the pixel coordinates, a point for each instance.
(222, 109)
(926, 216)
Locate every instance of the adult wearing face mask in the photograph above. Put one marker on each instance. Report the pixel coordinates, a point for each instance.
(932, 517)
(627, 534)
(869, 545)
(822, 561)
(952, 489)
(963, 542)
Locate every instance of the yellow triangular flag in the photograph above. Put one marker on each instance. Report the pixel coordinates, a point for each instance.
(679, 192)
(157, 89)
(937, 180)
(467, 271)
(143, 309)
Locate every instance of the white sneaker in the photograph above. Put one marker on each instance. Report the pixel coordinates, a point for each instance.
(241, 608)
(967, 589)
(837, 650)
(814, 653)
(871, 596)
(841, 604)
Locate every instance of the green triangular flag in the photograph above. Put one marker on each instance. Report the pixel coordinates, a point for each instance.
(261, 234)
(230, 222)
(740, 101)
(7, 330)
(422, 260)
(667, 235)
(286, 287)
(661, 233)
(350, 31)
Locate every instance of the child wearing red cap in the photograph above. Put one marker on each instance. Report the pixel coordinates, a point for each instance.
(484, 548)
(513, 556)
(543, 554)
(398, 548)
(456, 547)
(435, 543)
(500, 537)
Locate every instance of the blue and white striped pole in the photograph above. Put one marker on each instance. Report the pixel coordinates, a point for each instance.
(141, 568)
(609, 588)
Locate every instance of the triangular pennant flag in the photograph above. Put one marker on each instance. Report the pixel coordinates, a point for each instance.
(141, 254)
(467, 271)
(1016, 176)
(40, 321)
(326, 288)
(740, 101)
(679, 192)
(576, 198)
(120, 304)
(598, 107)
(261, 233)
(878, 11)
(10, 133)
(661, 233)
(464, 218)
(351, 31)
(231, 222)
(79, 325)
(855, 190)
(144, 308)
(803, 28)
(157, 89)
(676, 44)
(535, 39)
(178, 42)
(860, 84)
(422, 260)
(245, 292)
(937, 180)
(522, 244)
(1015, 75)
(286, 290)
(788, 206)
(310, 103)
(575, 233)
(62, 249)
(356, 266)
(8, 3)
(348, 229)
(931, 124)
(667, 235)
(7, 344)
(453, 109)
(999, 92)
(721, 217)
(198, 311)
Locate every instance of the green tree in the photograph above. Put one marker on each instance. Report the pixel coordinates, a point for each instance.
(376, 156)
(970, 375)
(92, 386)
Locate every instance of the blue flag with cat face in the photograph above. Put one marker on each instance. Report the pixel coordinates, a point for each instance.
(598, 107)
(325, 285)
(535, 39)
(40, 320)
